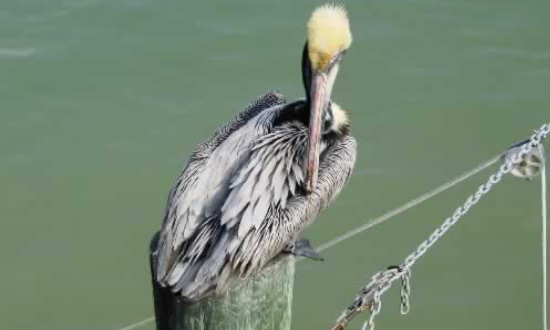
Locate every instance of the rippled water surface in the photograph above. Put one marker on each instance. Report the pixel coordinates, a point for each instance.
(102, 100)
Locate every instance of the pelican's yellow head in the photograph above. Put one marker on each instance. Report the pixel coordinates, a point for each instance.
(328, 35)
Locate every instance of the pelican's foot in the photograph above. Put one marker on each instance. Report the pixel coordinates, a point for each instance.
(302, 248)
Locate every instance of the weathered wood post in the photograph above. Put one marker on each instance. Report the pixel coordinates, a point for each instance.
(262, 302)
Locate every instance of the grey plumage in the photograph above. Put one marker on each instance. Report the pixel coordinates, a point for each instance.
(238, 202)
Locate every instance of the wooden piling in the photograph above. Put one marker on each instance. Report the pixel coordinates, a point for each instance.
(262, 302)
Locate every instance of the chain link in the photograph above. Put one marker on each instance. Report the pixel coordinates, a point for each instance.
(382, 281)
(405, 292)
(375, 310)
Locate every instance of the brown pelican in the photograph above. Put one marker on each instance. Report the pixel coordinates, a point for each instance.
(246, 194)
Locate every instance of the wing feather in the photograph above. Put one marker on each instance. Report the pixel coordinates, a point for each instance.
(258, 188)
(202, 186)
(286, 223)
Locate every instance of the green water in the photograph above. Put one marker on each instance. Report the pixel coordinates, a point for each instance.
(101, 101)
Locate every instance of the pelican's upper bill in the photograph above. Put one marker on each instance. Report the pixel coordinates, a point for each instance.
(328, 33)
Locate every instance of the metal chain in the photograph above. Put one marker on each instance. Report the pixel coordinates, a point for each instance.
(405, 292)
(382, 281)
(474, 199)
(376, 307)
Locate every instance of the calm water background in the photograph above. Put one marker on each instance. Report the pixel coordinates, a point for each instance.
(102, 100)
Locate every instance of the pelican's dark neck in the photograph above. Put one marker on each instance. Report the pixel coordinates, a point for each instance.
(299, 110)
(306, 74)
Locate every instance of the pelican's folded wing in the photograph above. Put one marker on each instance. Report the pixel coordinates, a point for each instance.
(285, 225)
(254, 225)
(204, 182)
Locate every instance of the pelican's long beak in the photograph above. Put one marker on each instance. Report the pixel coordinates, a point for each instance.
(319, 102)
(328, 37)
